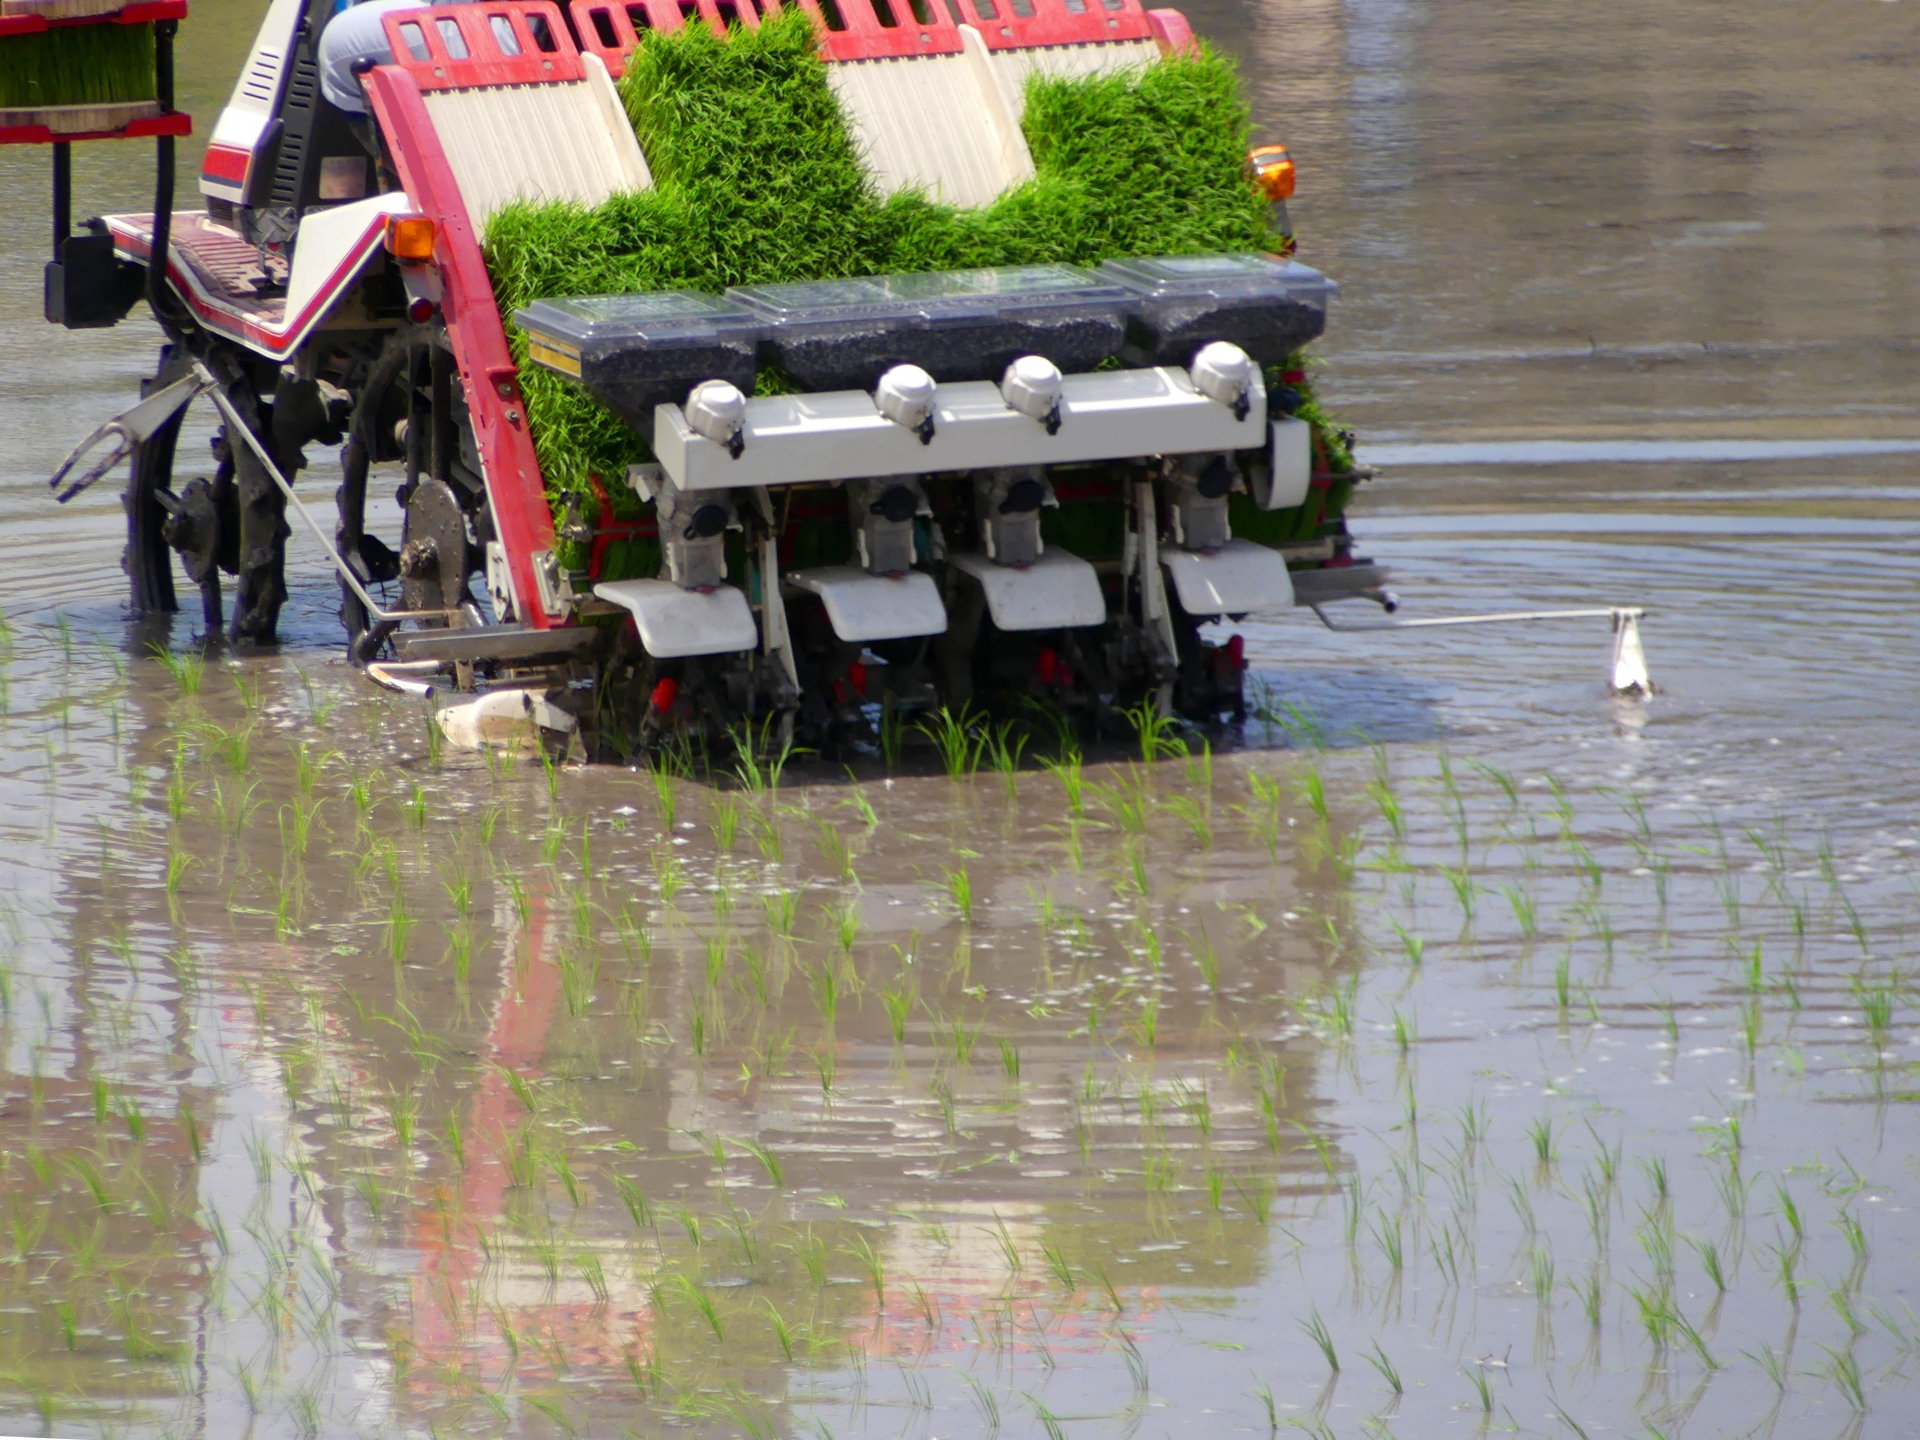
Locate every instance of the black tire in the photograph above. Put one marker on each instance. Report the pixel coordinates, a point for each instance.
(148, 560)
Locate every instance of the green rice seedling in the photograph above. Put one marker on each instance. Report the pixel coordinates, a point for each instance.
(782, 1331)
(960, 891)
(1522, 905)
(897, 1001)
(1316, 1330)
(1195, 814)
(1156, 734)
(984, 1401)
(1790, 1213)
(668, 875)
(1482, 1387)
(701, 1302)
(826, 1063)
(1403, 1032)
(1378, 1359)
(1414, 945)
(1856, 1238)
(1009, 1058)
(1003, 1241)
(1057, 1265)
(1257, 1197)
(1591, 1292)
(1146, 1025)
(782, 908)
(1521, 1202)
(1465, 891)
(1003, 748)
(1542, 1266)
(399, 926)
(1386, 1231)
(235, 807)
(957, 740)
(1769, 1365)
(716, 959)
(1786, 1260)
(845, 917)
(834, 849)
(1049, 1422)
(1545, 1151)
(177, 862)
(873, 1265)
(187, 671)
(773, 1053)
(826, 992)
(812, 1253)
(1066, 769)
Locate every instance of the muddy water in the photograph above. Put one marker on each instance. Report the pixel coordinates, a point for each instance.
(1552, 1056)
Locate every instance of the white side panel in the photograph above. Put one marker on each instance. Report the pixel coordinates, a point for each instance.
(863, 607)
(537, 142)
(1016, 161)
(839, 435)
(250, 106)
(1055, 592)
(924, 121)
(673, 622)
(328, 238)
(1239, 577)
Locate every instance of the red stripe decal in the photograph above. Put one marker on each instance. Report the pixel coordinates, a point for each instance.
(521, 516)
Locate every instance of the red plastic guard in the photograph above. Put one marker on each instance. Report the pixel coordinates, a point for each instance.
(460, 47)
(849, 29)
(884, 29)
(611, 28)
(1022, 24)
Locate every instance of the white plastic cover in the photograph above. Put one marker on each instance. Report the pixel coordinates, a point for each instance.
(863, 607)
(1057, 591)
(673, 622)
(1235, 579)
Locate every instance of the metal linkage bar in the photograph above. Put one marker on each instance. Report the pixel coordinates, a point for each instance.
(1608, 612)
(241, 428)
(1626, 673)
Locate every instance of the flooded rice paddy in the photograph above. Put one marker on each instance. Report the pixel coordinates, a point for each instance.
(1457, 1050)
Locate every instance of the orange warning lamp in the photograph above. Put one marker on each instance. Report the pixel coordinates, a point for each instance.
(410, 237)
(1272, 170)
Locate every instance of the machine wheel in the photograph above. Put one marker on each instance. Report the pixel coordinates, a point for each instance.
(260, 587)
(149, 571)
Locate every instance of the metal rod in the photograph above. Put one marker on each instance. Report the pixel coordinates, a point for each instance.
(396, 675)
(273, 472)
(62, 195)
(1609, 612)
(163, 33)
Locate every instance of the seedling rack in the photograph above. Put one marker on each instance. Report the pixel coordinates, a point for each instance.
(87, 287)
